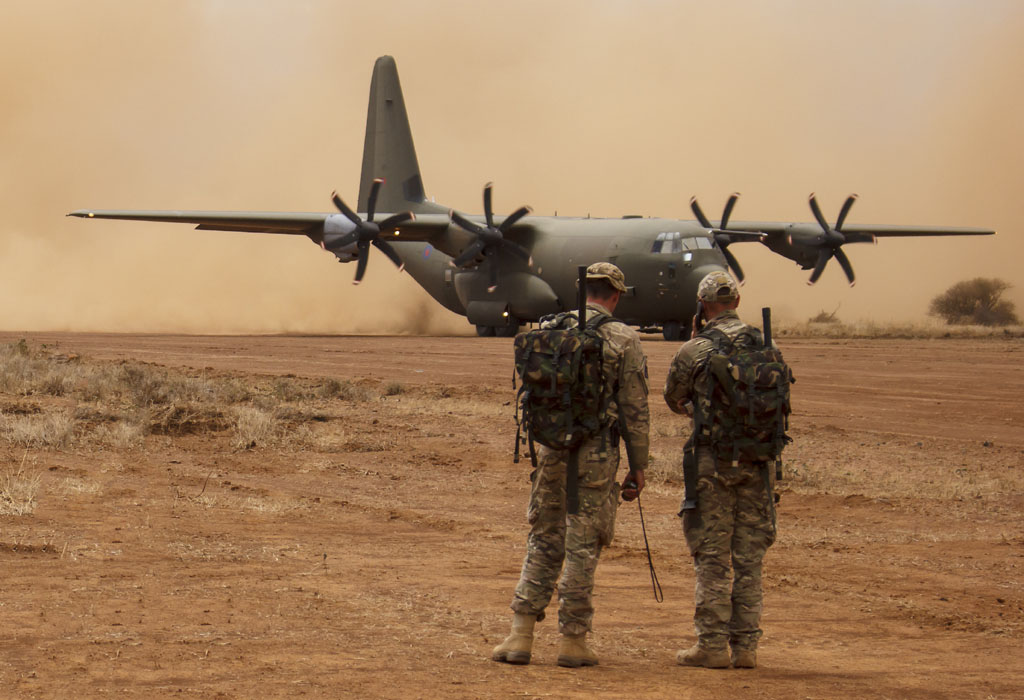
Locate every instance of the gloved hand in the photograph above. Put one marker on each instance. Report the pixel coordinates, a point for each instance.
(633, 485)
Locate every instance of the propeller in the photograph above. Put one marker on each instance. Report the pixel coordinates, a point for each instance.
(722, 239)
(490, 239)
(830, 243)
(367, 232)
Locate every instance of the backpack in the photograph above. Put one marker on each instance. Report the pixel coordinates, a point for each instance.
(562, 398)
(745, 413)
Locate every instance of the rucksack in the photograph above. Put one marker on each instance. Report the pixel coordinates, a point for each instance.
(745, 414)
(562, 398)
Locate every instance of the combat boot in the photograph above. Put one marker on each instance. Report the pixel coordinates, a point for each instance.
(517, 646)
(699, 656)
(744, 658)
(573, 651)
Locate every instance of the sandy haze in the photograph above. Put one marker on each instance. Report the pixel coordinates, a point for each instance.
(606, 108)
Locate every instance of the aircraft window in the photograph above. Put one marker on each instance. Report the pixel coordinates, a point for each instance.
(668, 242)
(703, 243)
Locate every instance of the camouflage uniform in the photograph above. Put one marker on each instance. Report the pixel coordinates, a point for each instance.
(734, 524)
(577, 540)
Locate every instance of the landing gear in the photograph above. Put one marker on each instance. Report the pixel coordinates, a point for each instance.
(674, 331)
(508, 331)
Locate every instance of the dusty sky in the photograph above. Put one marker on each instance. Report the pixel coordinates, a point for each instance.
(604, 107)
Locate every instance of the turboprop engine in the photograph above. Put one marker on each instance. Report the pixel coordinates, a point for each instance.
(336, 228)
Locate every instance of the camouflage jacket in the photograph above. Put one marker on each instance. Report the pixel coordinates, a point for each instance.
(686, 380)
(625, 367)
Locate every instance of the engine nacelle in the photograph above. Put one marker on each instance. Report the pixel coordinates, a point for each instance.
(336, 227)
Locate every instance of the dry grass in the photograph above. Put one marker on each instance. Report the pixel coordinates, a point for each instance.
(254, 427)
(120, 404)
(18, 489)
(902, 331)
(45, 430)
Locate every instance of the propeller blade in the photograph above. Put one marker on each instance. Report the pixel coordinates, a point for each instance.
(385, 247)
(465, 223)
(844, 262)
(816, 210)
(492, 268)
(346, 240)
(727, 212)
(468, 254)
(514, 218)
(734, 265)
(364, 256)
(343, 208)
(823, 257)
(699, 213)
(395, 220)
(844, 211)
(371, 204)
(488, 212)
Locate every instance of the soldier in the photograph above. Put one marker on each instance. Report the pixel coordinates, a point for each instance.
(557, 537)
(733, 521)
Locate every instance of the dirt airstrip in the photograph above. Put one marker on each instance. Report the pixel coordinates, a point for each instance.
(365, 541)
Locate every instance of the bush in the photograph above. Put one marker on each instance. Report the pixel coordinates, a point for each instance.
(976, 301)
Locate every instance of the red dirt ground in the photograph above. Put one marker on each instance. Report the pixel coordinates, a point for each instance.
(189, 568)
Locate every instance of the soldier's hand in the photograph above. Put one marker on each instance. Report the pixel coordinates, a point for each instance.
(633, 485)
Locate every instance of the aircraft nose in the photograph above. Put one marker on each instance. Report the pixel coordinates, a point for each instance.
(699, 273)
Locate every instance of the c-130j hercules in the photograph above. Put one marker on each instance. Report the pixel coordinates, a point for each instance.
(500, 272)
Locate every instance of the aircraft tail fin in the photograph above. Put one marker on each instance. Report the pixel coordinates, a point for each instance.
(388, 151)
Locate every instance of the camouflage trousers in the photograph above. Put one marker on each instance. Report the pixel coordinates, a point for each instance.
(728, 537)
(565, 548)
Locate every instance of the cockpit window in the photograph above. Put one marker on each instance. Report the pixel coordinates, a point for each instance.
(667, 243)
(698, 243)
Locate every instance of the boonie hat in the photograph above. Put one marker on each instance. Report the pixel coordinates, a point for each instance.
(718, 287)
(607, 271)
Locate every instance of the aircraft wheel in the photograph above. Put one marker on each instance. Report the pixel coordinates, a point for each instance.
(485, 331)
(508, 331)
(672, 331)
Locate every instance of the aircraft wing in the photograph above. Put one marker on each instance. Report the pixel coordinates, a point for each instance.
(301, 223)
(867, 230)
(882, 231)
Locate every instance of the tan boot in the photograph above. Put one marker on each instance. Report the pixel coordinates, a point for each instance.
(699, 656)
(517, 646)
(744, 658)
(573, 651)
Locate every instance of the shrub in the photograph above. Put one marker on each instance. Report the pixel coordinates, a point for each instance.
(254, 427)
(977, 301)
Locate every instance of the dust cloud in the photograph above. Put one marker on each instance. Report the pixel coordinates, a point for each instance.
(603, 108)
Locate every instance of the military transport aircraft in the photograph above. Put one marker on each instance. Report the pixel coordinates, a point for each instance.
(502, 271)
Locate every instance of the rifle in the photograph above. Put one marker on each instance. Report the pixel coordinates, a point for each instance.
(773, 498)
(572, 474)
